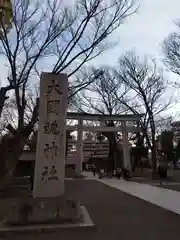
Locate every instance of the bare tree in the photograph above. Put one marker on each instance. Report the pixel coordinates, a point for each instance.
(163, 124)
(67, 35)
(82, 81)
(72, 34)
(171, 50)
(100, 96)
(23, 47)
(94, 20)
(148, 88)
(103, 97)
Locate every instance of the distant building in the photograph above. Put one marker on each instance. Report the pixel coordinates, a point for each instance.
(176, 130)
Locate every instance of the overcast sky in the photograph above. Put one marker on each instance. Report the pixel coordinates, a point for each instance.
(144, 32)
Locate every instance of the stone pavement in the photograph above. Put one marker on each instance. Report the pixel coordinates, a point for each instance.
(116, 214)
(174, 187)
(163, 197)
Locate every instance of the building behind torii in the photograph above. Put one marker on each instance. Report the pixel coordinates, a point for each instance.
(126, 124)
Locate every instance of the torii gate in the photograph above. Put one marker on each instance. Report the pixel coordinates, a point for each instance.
(123, 127)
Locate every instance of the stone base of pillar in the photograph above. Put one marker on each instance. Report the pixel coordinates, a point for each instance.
(63, 228)
(43, 211)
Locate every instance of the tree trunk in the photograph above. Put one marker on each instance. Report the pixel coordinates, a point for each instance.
(11, 149)
(153, 148)
(112, 152)
(3, 97)
(111, 136)
(154, 159)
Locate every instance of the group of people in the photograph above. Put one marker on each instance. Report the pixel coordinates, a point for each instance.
(119, 172)
(162, 169)
(122, 172)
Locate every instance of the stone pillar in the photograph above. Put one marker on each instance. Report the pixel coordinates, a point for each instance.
(79, 147)
(51, 142)
(126, 155)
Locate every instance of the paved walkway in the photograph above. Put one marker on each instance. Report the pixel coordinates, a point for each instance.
(116, 214)
(165, 198)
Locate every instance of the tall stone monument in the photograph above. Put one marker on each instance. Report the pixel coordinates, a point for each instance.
(51, 143)
(49, 208)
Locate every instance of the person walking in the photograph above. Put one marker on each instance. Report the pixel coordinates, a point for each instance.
(101, 173)
(94, 170)
(162, 169)
(126, 174)
(118, 173)
(32, 176)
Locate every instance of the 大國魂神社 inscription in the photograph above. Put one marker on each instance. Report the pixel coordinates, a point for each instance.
(52, 173)
(52, 128)
(44, 174)
(55, 87)
(51, 146)
(50, 152)
(53, 106)
(49, 174)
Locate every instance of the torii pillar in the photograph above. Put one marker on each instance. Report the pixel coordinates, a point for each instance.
(79, 147)
(126, 155)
